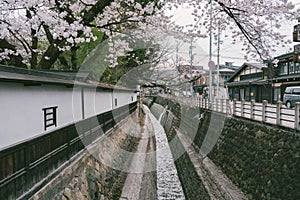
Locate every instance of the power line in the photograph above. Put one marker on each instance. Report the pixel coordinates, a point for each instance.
(214, 55)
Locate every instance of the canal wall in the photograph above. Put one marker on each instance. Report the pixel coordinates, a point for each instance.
(192, 185)
(262, 160)
(88, 177)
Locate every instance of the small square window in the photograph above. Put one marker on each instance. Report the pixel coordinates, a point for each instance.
(50, 118)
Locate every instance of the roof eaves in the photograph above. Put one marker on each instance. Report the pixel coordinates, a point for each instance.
(20, 75)
(244, 82)
(16, 70)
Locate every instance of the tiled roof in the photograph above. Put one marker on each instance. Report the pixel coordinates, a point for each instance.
(26, 76)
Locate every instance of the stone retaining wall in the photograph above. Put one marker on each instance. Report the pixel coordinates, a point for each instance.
(262, 160)
(89, 178)
(191, 183)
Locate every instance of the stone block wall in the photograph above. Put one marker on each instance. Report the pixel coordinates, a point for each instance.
(88, 177)
(262, 160)
(191, 183)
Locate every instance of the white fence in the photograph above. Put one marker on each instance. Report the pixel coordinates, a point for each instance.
(263, 112)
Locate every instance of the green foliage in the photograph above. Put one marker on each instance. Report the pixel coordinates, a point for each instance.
(125, 64)
(74, 58)
(86, 48)
(91, 56)
(113, 75)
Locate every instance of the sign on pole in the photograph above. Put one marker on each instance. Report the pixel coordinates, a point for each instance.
(211, 64)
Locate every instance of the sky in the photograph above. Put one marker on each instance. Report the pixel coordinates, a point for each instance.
(228, 52)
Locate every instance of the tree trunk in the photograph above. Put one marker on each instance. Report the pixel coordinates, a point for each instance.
(50, 56)
(34, 55)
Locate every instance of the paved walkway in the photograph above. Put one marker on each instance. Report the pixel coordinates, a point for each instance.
(133, 183)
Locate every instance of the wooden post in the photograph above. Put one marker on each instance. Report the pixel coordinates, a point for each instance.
(242, 107)
(234, 107)
(278, 112)
(297, 107)
(264, 110)
(252, 109)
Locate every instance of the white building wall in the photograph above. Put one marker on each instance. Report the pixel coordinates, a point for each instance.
(123, 98)
(21, 107)
(22, 117)
(96, 102)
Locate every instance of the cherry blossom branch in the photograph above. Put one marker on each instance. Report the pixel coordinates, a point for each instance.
(247, 35)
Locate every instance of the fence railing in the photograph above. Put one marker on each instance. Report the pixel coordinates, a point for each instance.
(264, 112)
(27, 163)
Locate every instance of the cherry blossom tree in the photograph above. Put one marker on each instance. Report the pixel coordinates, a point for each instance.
(255, 23)
(35, 33)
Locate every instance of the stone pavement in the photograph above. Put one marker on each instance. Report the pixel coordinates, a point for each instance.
(133, 183)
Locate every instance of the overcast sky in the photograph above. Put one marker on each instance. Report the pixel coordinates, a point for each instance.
(228, 52)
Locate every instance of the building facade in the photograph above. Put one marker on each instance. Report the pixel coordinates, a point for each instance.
(224, 72)
(284, 72)
(265, 81)
(250, 82)
(38, 102)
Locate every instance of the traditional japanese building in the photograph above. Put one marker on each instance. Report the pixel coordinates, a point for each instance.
(283, 72)
(250, 82)
(265, 81)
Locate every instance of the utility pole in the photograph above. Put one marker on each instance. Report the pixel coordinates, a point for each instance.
(218, 60)
(191, 63)
(191, 53)
(210, 57)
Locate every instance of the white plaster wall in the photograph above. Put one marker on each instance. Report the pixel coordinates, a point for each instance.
(96, 102)
(21, 114)
(123, 97)
(103, 101)
(22, 117)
